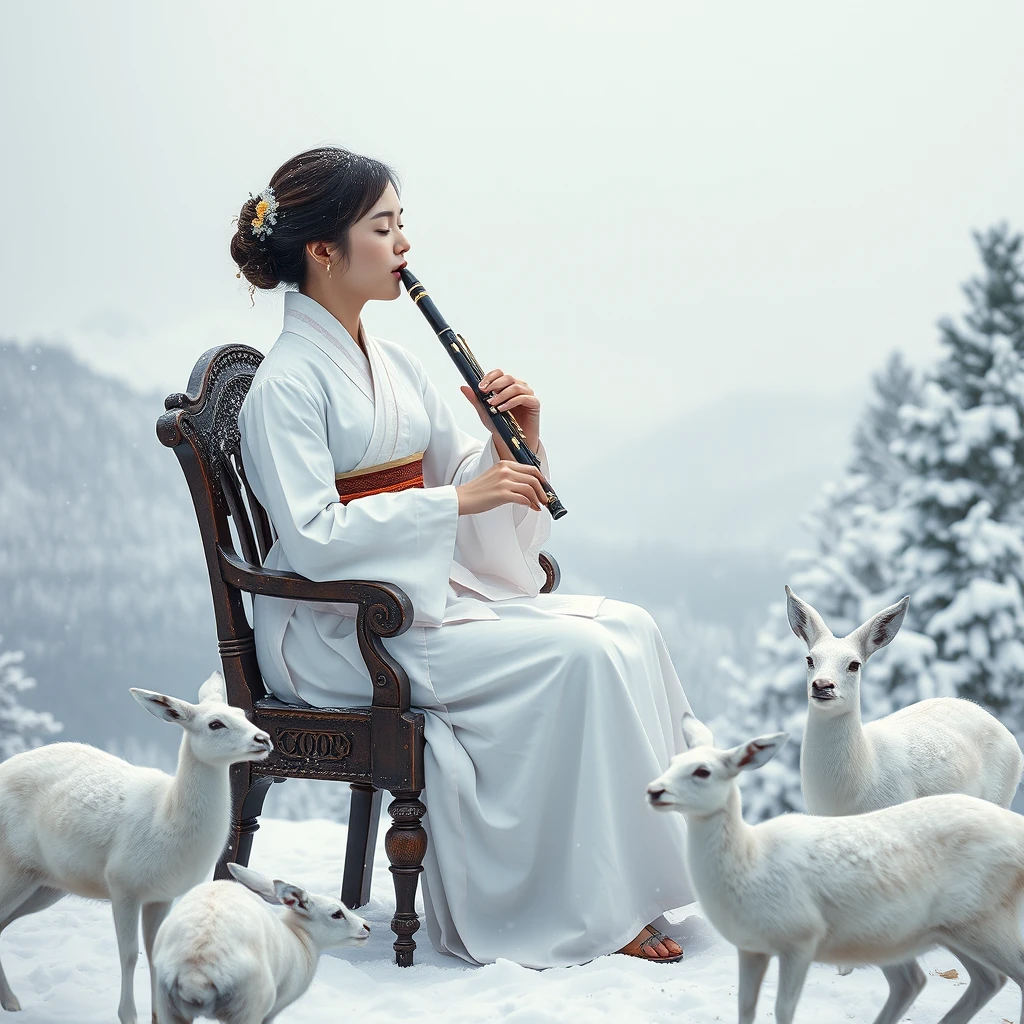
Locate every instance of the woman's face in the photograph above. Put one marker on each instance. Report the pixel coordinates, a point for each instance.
(377, 248)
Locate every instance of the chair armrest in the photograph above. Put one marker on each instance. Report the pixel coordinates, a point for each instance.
(384, 611)
(551, 571)
(388, 605)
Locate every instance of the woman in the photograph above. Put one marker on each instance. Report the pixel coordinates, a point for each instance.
(546, 714)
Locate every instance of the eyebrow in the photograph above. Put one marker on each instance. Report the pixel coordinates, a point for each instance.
(385, 213)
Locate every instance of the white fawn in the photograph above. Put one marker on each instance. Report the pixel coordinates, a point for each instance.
(74, 819)
(877, 888)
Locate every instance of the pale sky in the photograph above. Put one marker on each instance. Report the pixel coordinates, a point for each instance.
(637, 207)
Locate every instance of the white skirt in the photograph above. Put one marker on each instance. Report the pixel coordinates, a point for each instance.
(543, 729)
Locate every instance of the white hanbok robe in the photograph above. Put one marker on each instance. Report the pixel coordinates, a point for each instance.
(546, 714)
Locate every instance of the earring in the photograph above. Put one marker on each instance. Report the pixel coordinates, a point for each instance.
(328, 268)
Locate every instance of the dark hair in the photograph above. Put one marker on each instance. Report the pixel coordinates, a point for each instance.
(320, 194)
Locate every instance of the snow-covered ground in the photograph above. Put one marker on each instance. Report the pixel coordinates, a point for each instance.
(62, 964)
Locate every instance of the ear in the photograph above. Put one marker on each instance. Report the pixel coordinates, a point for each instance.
(293, 897)
(170, 709)
(260, 884)
(880, 629)
(695, 732)
(805, 621)
(754, 753)
(214, 689)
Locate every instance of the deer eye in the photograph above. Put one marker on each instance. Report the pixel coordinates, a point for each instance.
(853, 666)
(217, 724)
(338, 915)
(810, 661)
(702, 773)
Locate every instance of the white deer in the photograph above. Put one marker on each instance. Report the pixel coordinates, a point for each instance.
(223, 954)
(878, 888)
(74, 819)
(940, 745)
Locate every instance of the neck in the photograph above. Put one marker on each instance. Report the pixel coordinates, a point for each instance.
(344, 308)
(199, 792)
(713, 840)
(834, 757)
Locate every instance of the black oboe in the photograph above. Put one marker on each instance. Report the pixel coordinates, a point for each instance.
(504, 422)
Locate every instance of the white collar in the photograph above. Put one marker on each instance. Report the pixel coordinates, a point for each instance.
(307, 318)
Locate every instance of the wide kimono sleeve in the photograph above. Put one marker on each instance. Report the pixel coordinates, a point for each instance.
(501, 544)
(406, 538)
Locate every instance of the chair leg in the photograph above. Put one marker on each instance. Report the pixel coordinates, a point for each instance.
(247, 795)
(363, 816)
(405, 843)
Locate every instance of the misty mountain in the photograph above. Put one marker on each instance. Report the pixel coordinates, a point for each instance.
(102, 581)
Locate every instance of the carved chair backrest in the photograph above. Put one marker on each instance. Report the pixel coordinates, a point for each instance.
(201, 426)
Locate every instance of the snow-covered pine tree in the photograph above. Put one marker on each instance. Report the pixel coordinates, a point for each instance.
(962, 499)
(20, 727)
(849, 561)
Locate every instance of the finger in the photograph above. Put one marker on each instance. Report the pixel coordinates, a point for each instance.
(529, 403)
(496, 383)
(535, 486)
(527, 492)
(487, 379)
(515, 388)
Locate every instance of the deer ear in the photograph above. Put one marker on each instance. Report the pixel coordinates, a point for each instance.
(214, 689)
(880, 629)
(259, 884)
(754, 753)
(695, 732)
(804, 620)
(293, 897)
(170, 709)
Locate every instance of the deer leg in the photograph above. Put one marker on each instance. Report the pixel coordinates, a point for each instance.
(905, 983)
(405, 843)
(17, 896)
(793, 967)
(153, 915)
(752, 968)
(126, 927)
(985, 983)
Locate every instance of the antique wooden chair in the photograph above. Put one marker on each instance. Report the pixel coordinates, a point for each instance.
(375, 748)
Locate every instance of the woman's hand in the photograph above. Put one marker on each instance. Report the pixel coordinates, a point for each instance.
(511, 395)
(505, 482)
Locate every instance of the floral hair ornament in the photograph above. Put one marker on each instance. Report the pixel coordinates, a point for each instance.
(266, 213)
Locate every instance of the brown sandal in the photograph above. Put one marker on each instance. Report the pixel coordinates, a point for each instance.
(639, 949)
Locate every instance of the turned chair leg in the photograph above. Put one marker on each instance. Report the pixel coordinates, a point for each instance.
(247, 796)
(405, 843)
(363, 816)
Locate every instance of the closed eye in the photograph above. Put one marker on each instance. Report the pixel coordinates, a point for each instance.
(701, 773)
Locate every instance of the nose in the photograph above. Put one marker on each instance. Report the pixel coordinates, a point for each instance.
(366, 927)
(822, 685)
(263, 739)
(655, 792)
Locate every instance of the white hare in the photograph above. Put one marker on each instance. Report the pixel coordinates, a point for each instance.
(877, 888)
(74, 819)
(223, 954)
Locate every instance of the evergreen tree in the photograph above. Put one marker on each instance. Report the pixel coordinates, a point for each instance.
(962, 498)
(854, 538)
(19, 726)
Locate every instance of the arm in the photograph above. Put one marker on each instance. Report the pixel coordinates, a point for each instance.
(405, 538)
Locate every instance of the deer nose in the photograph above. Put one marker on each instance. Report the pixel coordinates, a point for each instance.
(820, 685)
(367, 927)
(263, 739)
(655, 793)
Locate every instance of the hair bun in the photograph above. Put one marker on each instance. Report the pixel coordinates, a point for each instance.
(254, 259)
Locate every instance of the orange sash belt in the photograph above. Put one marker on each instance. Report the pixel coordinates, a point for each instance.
(399, 475)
